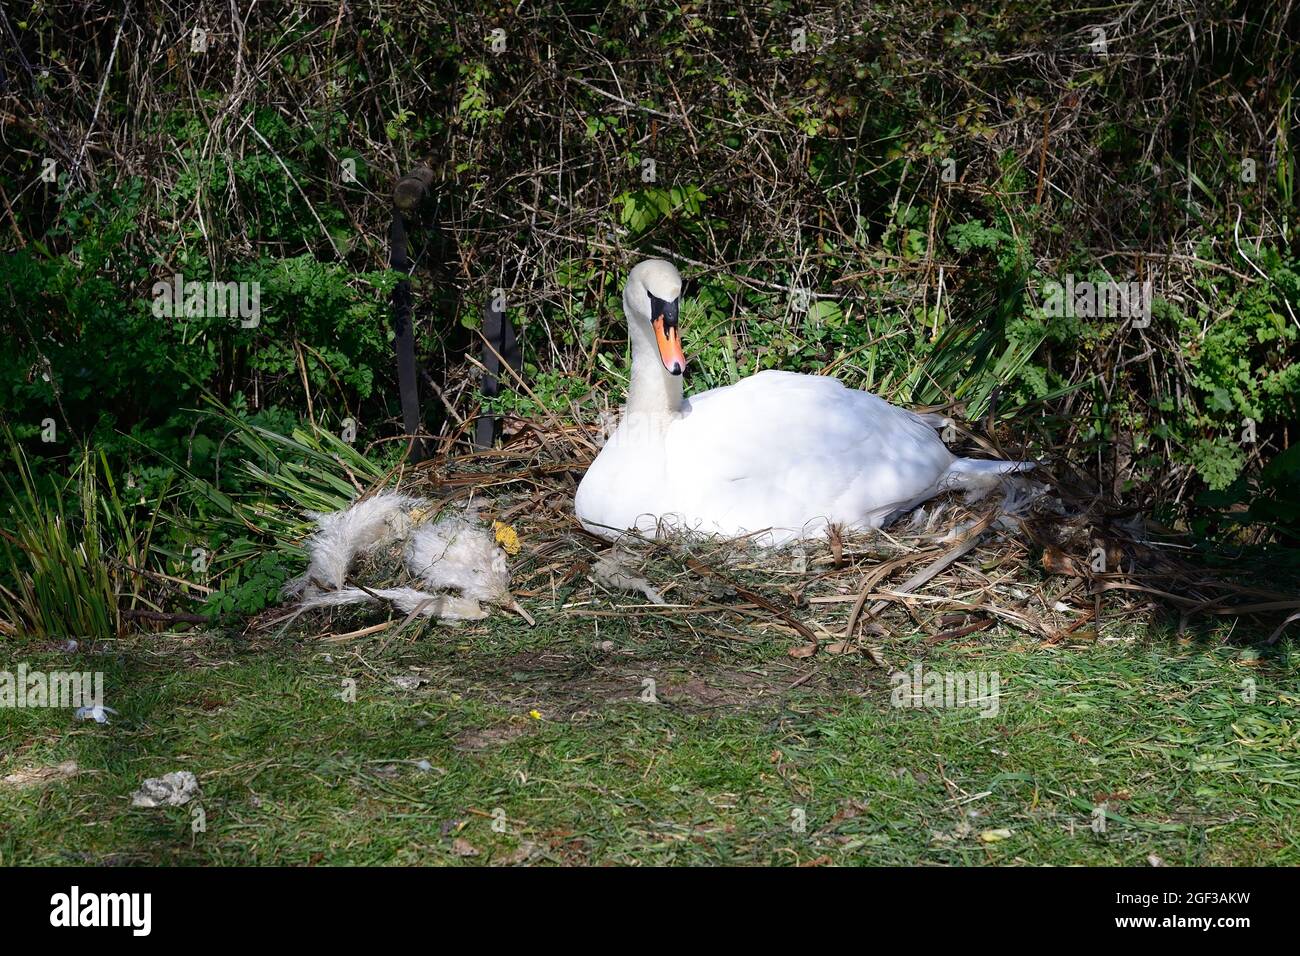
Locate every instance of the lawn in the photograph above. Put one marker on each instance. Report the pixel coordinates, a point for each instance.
(498, 743)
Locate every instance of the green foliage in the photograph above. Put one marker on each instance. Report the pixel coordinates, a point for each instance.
(317, 319)
(643, 208)
(253, 585)
(75, 553)
(1243, 359)
(253, 516)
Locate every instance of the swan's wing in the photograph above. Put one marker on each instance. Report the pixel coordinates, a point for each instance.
(778, 444)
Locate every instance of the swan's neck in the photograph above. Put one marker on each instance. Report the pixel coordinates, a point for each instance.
(652, 392)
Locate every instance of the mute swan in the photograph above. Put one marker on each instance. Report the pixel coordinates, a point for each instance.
(776, 457)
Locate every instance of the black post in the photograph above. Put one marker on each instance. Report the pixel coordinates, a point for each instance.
(500, 345)
(409, 195)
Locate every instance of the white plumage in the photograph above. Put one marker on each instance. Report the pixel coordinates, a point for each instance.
(453, 553)
(777, 456)
(342, 535)
(448, 607)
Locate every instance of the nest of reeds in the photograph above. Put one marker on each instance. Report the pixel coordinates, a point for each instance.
(1032, 557)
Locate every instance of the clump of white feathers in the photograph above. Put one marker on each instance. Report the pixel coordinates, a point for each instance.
(455, 553)
(453, 556)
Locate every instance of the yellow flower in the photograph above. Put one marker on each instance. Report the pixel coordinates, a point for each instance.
(507, 537)
(535, 714)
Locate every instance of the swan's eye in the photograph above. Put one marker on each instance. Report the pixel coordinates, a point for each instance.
(664, 310)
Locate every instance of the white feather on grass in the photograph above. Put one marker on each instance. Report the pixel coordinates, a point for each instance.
(341, 535)
(448, 607)
(454, 554)
(457, 554)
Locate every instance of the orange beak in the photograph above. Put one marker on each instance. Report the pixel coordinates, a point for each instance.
(670, 345)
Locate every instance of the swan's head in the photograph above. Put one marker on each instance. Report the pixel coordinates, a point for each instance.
(652, 299)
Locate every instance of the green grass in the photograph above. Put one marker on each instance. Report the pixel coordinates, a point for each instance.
(713, 773)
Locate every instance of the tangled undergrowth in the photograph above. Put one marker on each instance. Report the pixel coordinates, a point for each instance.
(888, 192)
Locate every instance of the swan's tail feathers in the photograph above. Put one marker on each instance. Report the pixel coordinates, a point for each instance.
(978, 476)
(983, 467)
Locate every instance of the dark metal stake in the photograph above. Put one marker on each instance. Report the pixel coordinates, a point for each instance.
(500, 344)
(409, 194)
